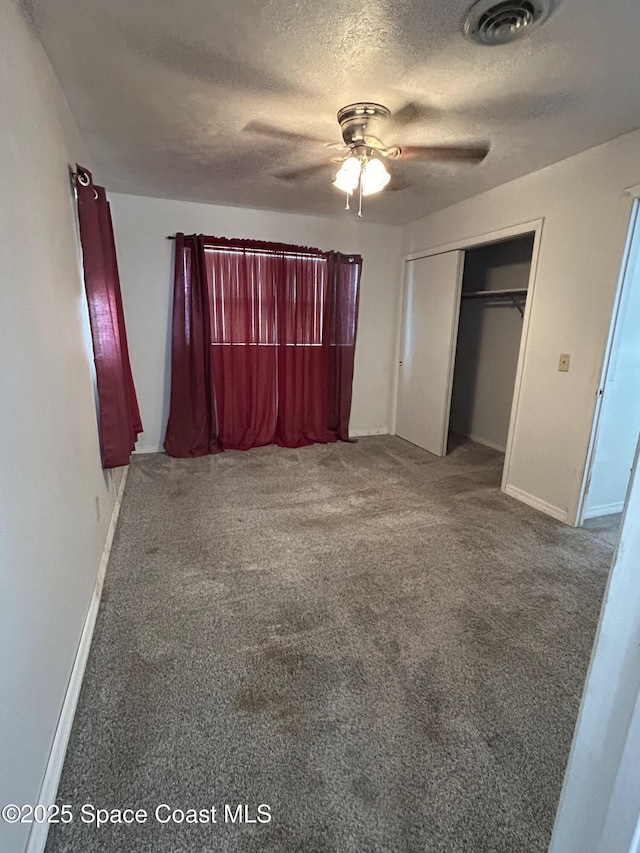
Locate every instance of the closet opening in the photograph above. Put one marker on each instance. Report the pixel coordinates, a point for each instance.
(466, 312)
(495, 280)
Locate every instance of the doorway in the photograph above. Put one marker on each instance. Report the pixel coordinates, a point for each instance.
(617, 424)
(465, 315)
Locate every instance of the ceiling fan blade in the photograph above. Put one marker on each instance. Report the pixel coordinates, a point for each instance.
(397, 183)
(411, 112)
(265, 129)
(445, 153)
(302, 174)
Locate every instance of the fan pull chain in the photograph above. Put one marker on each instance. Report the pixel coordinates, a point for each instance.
(360, 200)
(347, 207)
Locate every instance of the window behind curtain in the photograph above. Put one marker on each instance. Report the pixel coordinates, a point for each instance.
(268, 362)
(262, 299)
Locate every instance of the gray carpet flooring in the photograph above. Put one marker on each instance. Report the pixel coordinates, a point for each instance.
(377, 644)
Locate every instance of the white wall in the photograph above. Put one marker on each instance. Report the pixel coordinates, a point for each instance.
(620, 417)
(51, 540)
(586, 218)
(489, 334)
(145, 259)
(600, 803)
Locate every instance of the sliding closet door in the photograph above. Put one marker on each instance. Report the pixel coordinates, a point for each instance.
(430, 328)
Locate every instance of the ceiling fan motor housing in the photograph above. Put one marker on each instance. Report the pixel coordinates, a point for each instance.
(359, 123)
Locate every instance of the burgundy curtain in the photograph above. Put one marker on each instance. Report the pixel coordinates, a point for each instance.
(243, 345)
(192, 428)
(343, 295)
(303, 353)
(119, 416)
(281, 339)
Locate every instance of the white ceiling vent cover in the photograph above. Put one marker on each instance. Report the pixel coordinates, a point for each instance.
(488, 22)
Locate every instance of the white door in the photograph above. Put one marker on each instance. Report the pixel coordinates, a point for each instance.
(427, 354)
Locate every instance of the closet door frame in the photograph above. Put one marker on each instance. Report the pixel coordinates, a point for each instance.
(473, 242)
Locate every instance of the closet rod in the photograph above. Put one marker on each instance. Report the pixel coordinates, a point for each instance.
(486, 294)
(518, 295)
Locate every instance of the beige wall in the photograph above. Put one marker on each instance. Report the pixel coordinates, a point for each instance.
(146, 270)
(586, 216)
(52, 484)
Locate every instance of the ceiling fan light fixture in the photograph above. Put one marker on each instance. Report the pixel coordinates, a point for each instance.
(374, 177)
(348, 175)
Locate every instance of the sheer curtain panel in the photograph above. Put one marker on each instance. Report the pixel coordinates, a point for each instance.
(118, 413)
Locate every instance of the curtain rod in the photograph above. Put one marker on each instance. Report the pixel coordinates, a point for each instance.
(350, 258)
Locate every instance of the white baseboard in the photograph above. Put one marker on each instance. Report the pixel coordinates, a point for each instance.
(39, 831)
(487, 443)
(536, 503)
(604, 509)
(149, 448)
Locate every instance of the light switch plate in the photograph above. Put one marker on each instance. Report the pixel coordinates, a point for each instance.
(564, 361)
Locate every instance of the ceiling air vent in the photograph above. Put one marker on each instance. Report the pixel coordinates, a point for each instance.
(488, 22)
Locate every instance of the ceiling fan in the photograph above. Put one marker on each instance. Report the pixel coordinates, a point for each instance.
(363, 168)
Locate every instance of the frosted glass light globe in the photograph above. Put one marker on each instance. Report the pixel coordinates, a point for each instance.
(348, 175)
(374, 177)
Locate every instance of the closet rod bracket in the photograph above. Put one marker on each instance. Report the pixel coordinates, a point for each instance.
(519, 303)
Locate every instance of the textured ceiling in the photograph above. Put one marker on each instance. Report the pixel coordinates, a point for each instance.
(162, 91)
